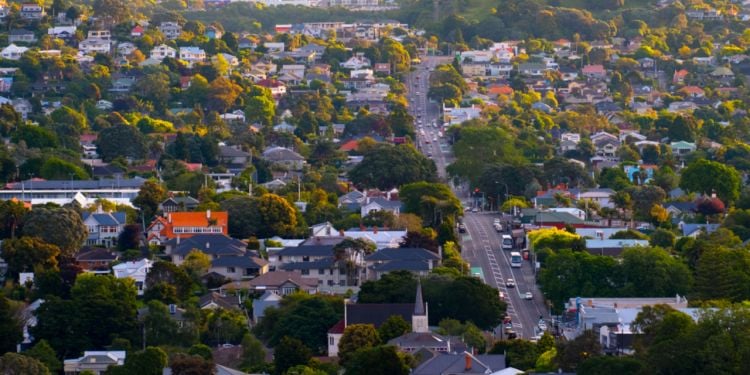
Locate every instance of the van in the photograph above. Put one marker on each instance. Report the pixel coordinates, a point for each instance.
(507, 242)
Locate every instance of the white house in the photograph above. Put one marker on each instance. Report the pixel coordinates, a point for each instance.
(161, 51)
(380, 204)
(13, 52)
(104, 227)
(357, 61)
(192, 54)
(94, 362)
(135, 270)
(171, 30)
(62, 32)
(95, 45)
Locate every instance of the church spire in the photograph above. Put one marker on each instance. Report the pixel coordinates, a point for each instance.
(419, 319)
(419, 302)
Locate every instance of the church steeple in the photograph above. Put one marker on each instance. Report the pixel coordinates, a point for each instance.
(419, 318)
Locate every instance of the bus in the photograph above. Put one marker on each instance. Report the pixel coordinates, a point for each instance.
(477, 272)
(515, 259)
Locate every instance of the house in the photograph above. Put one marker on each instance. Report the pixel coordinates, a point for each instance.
(137, 31)
(161, 51)
(100, 34)
(186, 225)
(136, 270)
(213, 300)
(239, 267)
(692, 92)
(277, 88)
(605, 144)
(192, 55)
(213, 245)
(95, 259)
(380, 204)
(94, 45)
(722, 72)
(178, 203)
(32, 11)
(601, 196)
(94, 362)
(171, 30)
(104, 227)
(358, 61)
(682, 148)
(370, 313)
(85, 192)
(612, 247)
(126, 48)
(233, 155)
(212, 32)
(318, 261)
(62, 32)
(640, 174)
(678, 78)
(680, 209)
(268, 299)
(416, 260)
(21, 36)
(464, 363)
(695, 230)
(280, 282)
(284, 157)
(594, 71)
(13, 52)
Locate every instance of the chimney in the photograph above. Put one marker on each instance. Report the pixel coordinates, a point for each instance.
(169, 218)
(341, 233)
(375, 229)
(467, 359)
(178, 239)
(208, 214)
(208, 245)
(172, 308)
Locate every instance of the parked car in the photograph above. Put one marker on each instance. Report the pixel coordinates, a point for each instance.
(461, 228)
(528, 296)
(510, 283)
(498, 227)
(542, 325)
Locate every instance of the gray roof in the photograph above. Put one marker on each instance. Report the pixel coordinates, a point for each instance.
(402, 265)
(79, 184)
(311, 250)
(455, 364)
(402, 254)
(314, 265)
(376, 313)
(280, 154)
(382, 202)
(213, 244)
(109, 219)
(231, 152)
(278, 278)
(239, 261)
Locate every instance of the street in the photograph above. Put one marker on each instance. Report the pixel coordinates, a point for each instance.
(481, 245)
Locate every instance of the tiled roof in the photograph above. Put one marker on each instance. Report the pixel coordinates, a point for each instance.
(377, 313)
(277, 278)
(212, 244)
(239, 261)
(197, 219)
(311, 250)
(402, 254)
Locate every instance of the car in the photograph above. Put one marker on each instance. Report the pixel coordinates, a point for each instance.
(510, 283)
(496, 221)
(498, 227)
(508, 327)
(429, 154)
(528, 296)
(474, 209)
(427, 141)
(461, 228)
(501, 295)
(542, 325)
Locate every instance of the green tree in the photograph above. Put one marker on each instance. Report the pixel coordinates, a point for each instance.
(357, 337)
(27, 254)
(652, 272)
(160, 327)
(379, 360)
(58, 169)
(43, 352)
(35, 136)
(12, 215)
(610, 365)
(662, 238)
(10, 327)
(613, 178)
(196, 263)
(149, 197)
(61, 227)
(121, 141)
(704, 176)
(151, 361)
(276, 216)
(393, 327)
(433, 202)
(572, 353)
(386, 167)
(18, 364)
(288, 353)
(479, 147)
(184, 364)
(253, 353)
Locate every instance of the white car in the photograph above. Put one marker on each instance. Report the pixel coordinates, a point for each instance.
(528, 296)
(542, 325)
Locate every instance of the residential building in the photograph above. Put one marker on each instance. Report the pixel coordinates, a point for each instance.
(213, 300)
(192, 55)
(366, 313)
(186, 224)
(104, 227)
(214, 245)
(268, 299)
(380, 204)
(682, 148)
(612, 247)
(100, 34)
(416, 260)
(239, 267)
(178, 203)
(594, 71)
(279, 282)
(161, 51)
(171, 30)
(13, 52)
(95, 259)
(284, 157)
(358, 61)
(85, 192)
(21, 36)
(464, 363)
(95, 45)
(32, 11)
(95, 362)
(136, 270)
(234, 155)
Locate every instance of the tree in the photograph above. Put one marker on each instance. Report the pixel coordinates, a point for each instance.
(149, 197)
(393, 287)
(288, 353)
(222, 94)
(393, 327)
(379, 360)
(386, 167)
(167, 273)
(18, 364)
(253, 353)
(12, 215)
(477, 148)
(35, 136)
(260, 107)
(303, 317)
(276, 216)
(572, 353)
(433, 202)
(613, 178)
(61, 227)
(610, 365)
(58, 169)
(154, 88)
(662, 238)
(348, 252)
(151, 361)
(43, 352)
(10, 327)
(184, 364)
(115, 10)
(130, 238)
(652, 272)
(704, 176)
(27, 254)
(159, 326)
(357, 337)
(121, 141)
(196, 263)
(243, 216)
(424, 239)
(464, 298)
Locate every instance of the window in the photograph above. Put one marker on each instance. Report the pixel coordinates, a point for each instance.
(305, 272)
(305, 258)
(287, 290)
(321, 271)
(330, 340)
(230, 270)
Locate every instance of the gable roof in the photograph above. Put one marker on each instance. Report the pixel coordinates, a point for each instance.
(106, 218)
(307, 250)
(376, 313)
(455, 364)
(275, 279)
(281, 153)
(388, 254)
(225, 302)
(240, 261)
(212, 244)
(197, 219)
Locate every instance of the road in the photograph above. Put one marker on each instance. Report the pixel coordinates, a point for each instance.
(481, 244)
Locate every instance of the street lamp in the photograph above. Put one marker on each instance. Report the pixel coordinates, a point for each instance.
(498, 194)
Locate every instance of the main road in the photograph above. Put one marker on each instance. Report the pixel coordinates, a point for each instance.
(481, 245)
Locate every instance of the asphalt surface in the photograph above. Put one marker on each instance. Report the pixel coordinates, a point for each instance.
(481, 244)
